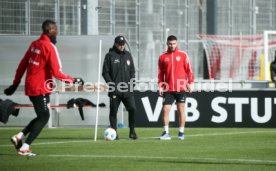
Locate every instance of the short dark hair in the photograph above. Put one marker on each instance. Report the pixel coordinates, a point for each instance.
(171, 37)
(46, 25)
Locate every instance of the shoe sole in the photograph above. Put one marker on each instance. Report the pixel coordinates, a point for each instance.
(26, 154)
(165, 138)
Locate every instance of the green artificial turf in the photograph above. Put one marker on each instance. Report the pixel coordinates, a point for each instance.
(74, 149)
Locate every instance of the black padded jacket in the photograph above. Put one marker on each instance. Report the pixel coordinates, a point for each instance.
(118, 67)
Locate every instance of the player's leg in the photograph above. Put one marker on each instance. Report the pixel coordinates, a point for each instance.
(180, 104)
(114, 105)
(168, 99)
(18, 138)
(129, 103)
(181, 114)
(34, 128)
(166, 118)
(182, 119)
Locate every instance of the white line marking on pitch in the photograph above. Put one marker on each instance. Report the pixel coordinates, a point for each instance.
(254, 161)
(51, 143)
(145, 138)
(216, 134)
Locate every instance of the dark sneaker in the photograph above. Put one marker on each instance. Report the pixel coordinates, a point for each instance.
(117, 137)
(16, 142)
(165, 136)
(133, 136)
(181, 136)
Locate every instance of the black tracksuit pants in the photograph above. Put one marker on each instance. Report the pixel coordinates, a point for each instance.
(42, 112)
(129, 103)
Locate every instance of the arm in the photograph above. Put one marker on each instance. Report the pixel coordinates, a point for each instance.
(132, 68)
(160, 76)
(106, 69)
(132, 82)
(190, 74)
(19, 73)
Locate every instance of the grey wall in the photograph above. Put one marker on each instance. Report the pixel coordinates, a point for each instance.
(79, 56)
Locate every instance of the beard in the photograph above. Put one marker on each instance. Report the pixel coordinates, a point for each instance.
(53, 39)
(172, 49)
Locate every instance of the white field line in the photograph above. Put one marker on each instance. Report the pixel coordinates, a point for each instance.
(217, 134)
(184, 159)
(232, 133)
(51, 143)
(145, 138)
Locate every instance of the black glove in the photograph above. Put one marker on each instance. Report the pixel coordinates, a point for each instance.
(9, 91)
(78, 81)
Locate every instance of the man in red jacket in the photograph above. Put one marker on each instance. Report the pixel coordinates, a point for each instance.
(42, 63)
(175, 76)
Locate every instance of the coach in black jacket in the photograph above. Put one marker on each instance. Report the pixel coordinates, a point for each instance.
(119, 74)
(273, 69)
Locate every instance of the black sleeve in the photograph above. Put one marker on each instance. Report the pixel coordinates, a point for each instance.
(106, 69)
(132, 67)
(272, 70)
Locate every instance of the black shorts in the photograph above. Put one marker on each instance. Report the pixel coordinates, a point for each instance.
(170, 97)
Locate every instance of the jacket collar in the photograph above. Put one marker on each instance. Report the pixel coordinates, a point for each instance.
(44, 37)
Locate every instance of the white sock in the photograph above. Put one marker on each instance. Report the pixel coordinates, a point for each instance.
(181, 129)
(20, 135)
(25, 147)
(166, 128)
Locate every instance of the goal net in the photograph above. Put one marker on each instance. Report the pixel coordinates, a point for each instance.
(239, 57)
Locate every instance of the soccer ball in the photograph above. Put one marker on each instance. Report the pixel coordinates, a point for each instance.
(110, 134)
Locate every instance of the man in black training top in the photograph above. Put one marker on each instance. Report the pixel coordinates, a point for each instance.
(119, 74)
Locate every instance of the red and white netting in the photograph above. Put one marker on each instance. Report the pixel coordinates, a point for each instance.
(236, 57)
